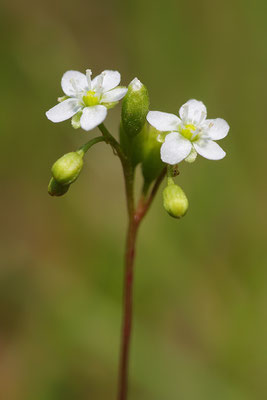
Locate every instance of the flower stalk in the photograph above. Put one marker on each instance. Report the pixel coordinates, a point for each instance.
(135, 216)
(83, 149)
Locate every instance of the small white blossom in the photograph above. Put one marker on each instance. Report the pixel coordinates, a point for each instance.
(89, 98)
(190, 134)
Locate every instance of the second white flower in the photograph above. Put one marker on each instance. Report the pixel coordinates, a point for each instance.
(190, 134)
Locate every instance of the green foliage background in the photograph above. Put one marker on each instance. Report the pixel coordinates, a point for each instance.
(200, 320)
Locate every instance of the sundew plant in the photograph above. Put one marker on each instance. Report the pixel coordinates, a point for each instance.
(158, 141)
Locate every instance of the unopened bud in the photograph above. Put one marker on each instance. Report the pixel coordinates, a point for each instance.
(56, 189)
(175, 201)
(146, 148)
(135, 107)
(67, 168)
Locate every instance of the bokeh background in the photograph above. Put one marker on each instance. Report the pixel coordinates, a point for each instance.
(200, 324)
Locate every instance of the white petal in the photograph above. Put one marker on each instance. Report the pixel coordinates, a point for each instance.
(136, 84)
(163, 121)
(175, 148)
(216, 128)
(111, 79)
(209, 149)
(114, 95)
(97, 84)
(64, 110)
(92, 117)
(73, 81)
(193, 112)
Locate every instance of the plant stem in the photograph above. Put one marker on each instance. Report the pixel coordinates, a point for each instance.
(127, 309)
(135, 218)
(144, 204)
(83, 149)
(113, 142)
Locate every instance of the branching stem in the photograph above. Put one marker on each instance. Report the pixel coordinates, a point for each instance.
(135, 216)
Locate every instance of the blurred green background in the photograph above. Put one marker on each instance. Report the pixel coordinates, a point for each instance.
(200, 324)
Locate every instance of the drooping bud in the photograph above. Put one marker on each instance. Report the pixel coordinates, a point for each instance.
(175, 201)
(68, 167)
(135, 107)
(56, 189)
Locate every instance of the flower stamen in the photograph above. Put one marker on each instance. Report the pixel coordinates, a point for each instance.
(90, 99)
(88, 76)
(189, 131)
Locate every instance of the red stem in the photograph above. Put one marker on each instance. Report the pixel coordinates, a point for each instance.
(128, 309)
(135, 217)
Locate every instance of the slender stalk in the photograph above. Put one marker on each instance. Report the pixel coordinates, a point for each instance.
(145, 203)
(127, 309)
(135, 218)
(113, 142)
(83, 149)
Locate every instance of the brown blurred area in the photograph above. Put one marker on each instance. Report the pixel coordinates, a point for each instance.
(200, 320)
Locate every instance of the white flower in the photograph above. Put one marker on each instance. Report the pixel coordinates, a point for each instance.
(89, 98)
(190, 134)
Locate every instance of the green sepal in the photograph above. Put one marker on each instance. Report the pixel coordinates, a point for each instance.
(192, 156)
(62, 98)
(56, 189)
(161, 136)
(110, 105)
(75, 120)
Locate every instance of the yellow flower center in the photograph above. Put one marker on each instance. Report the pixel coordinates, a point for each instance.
(90, 99)
(188, 131)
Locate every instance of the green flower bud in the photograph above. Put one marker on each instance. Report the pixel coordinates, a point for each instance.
(175, 201)
(68, 167)
(146, 149)
(56, 189)
(135, 107)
